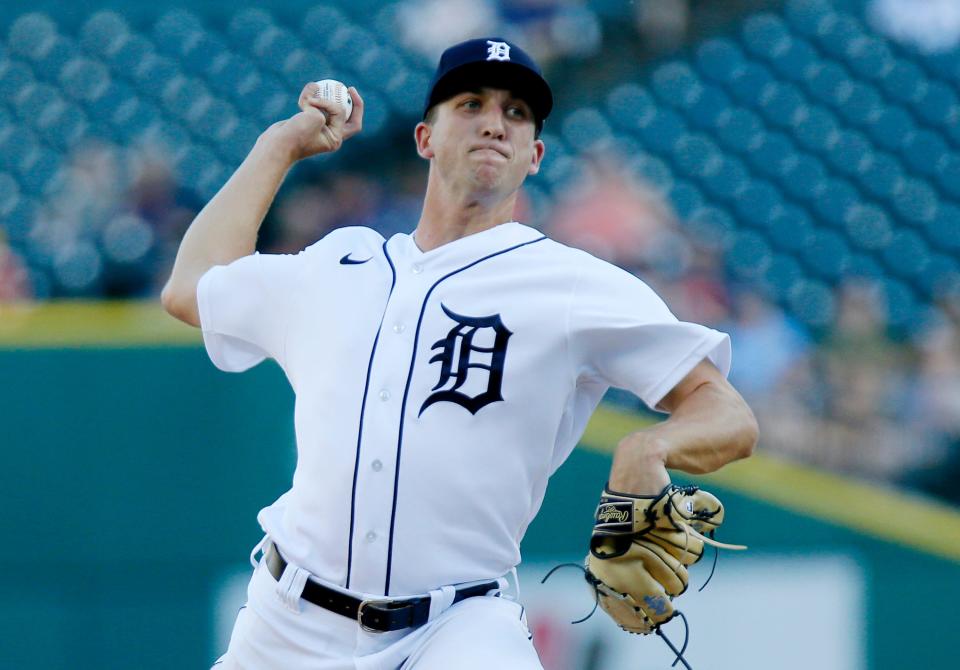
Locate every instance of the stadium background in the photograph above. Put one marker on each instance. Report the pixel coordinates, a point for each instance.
(789, 172)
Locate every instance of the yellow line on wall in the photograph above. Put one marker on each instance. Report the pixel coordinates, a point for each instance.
(74, 323)
(873, 510)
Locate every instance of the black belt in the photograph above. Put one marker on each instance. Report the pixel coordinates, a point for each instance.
(375, 614)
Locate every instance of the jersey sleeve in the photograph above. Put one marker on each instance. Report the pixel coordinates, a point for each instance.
(245, 308)
(622, 333)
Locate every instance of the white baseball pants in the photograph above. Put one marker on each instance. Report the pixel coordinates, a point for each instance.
(272, 633)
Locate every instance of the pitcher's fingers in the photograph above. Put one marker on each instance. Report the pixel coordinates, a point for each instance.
(309, 91)
(355, 123)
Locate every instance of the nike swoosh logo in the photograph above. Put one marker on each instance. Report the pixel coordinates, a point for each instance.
(346, 260)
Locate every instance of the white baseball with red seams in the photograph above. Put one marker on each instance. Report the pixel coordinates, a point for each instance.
(335, 91)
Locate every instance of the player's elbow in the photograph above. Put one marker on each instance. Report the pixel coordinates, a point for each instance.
(180, 303)
(747, 433)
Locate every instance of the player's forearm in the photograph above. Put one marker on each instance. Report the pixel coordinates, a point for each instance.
(710, 428)
(227, 227)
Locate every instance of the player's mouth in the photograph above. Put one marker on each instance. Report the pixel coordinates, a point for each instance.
(489, 150)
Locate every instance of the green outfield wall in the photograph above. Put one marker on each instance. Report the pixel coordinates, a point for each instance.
(131, 471)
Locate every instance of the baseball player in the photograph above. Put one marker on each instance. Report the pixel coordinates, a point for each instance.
(441, 377)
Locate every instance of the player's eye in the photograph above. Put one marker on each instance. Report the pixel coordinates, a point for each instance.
(517, 112)
(470, 103)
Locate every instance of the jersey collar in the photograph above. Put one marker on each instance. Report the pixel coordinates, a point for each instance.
(403, 249)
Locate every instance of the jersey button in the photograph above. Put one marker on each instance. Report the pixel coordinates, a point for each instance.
(377, 466)
(384, 395)
(416, 269)
(371, 536)
(399, 328)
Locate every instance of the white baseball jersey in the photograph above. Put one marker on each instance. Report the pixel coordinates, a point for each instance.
(436, 392)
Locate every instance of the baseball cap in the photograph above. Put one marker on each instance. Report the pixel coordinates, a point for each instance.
(493, 62)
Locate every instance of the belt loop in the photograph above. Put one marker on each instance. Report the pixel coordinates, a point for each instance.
(440, 600)
(256, 549)
(290, 586)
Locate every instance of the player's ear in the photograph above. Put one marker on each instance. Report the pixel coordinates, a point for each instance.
(422, 134)
(539, 149)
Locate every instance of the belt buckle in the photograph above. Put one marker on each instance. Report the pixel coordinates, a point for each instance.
(365, 603)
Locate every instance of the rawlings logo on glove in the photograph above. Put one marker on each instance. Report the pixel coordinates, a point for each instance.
(641, 548)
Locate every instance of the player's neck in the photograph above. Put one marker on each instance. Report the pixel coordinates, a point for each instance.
(446, 218)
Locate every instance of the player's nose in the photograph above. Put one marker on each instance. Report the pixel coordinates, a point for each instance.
(492, 125)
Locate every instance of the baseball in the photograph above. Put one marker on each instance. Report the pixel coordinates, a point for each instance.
(335, 91)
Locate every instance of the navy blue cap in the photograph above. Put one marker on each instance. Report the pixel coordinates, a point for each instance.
(493, 62)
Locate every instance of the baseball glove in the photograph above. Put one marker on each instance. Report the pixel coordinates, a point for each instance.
(641, 547)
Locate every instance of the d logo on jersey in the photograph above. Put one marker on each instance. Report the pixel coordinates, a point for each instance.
(458, 356)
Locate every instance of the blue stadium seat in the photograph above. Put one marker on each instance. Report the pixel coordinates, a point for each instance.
(305, 65)
(154, 73)
(33, 99)
(848, 151)
(812, 302)
(18, 222)
(777, 278)
(765, 35)
(661, 130)
(890, 126)
(780, 103)
(719, 59)
(102, 32)
(248, 24)
(816, 129)
(748, 81)
(196, 165)
(167, 137)
(900, 302)
(826, 81)
(685, 198)
(675, 83)
(407, 93)
(749, 255)
(376, 114)
(739, 129)
(711, 227)
(805, 16)
(349, 44)
(380, 67)
(758, 203)
(944, 230)
(916, 201)
(129, 53)
(9, 194)
(31, 35)
(62, 123)
(273, 46)
(264, 97)
(237, 141)
(584, 127)
(826, 254)
(198, 55)
(41, 171)
(859, 103)
(14, 78)
(907, 255)
(175, 30)
(213, 120)
(940, 272)
(650, 169)
(835, 33)
(869, 57)
(796, 60)
(864, 267)
(728, 179)
(834, 201)
(77, 268)
(903, 82)
(881, 175)
(183, 95)
(630, 105)
(946, 64)
(320, 23)
(948, 174)
(85, 78)
(706, 109)
(868, 226)
(695, 155)
(938, 104)
(924, 151)
(790, 228)
(802, 176)
(61, 52)
(769, 151)
(129, 115)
